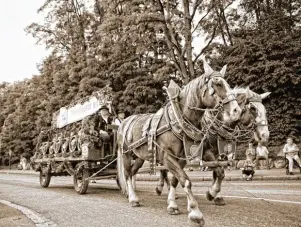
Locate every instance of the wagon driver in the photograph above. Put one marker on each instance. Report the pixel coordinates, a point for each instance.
(103, 120)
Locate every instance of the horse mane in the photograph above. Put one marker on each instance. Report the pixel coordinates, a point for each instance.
(242, 90)
(191, 90)
(239, 90)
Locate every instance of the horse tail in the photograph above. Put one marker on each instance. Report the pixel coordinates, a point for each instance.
(120, 171)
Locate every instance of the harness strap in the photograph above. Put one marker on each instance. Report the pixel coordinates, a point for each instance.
(229, 98)
(151, 137)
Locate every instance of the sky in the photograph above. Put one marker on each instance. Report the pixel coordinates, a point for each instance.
(19, 54)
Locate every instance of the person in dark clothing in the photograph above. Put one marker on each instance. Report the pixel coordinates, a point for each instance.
(248, 170)
(102, 121)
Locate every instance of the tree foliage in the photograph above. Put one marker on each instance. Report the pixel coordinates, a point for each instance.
(265, 55)
(133, 46)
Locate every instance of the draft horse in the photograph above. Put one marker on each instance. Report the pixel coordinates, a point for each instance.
(253, 120)
(209, 90)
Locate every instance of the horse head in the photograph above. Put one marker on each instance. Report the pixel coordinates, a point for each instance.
(253, 112)
(209, 90)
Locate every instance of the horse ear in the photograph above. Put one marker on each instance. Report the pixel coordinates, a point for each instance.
(264, 95)
(249, 93)
(223, 71)
(208, 70)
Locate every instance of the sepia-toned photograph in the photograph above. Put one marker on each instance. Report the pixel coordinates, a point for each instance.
(153, 113)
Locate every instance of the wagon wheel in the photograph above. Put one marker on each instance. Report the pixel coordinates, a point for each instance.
(80, 182)
(45, 177)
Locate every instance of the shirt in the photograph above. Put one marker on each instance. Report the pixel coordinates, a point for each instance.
(290, 149)
(250, 152)
(117, 122)
(248, 165)
(262, 151)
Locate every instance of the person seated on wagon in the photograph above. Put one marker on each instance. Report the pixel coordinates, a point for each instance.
(104, 119)
(248, 169)
(120, 117)
(290, 151)
(262, 153)
(250, 152)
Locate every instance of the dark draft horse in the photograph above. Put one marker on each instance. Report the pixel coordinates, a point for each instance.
(253, 119)
(206, 91)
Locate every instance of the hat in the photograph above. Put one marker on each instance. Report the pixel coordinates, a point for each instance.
(120, 111)
(104, 108)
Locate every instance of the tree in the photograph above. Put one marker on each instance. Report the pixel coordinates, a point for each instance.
(266, 55)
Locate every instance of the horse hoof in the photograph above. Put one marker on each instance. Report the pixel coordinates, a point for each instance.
(201, 223)
(197, 219)
(159, 192)
(209, 196)
(173, 210)
(135, 204)
(176, 196)
(219, 201)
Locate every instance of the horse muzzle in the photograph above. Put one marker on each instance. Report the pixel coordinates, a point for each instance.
(262, 135)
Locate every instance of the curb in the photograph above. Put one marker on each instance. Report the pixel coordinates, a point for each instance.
(227, 178)
(35, 217)
(145, 177)
(20, 172)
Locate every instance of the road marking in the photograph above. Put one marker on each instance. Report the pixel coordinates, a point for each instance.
(241, 197)
(35, 217)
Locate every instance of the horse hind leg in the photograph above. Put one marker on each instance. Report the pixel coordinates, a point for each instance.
(215, 188)
(125, 178)
(132, 170)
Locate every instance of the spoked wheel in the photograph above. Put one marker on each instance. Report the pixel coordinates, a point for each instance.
(80, 182)
(45, 178)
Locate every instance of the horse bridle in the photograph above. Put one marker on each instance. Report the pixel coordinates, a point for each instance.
(253, 123)
(219, 106)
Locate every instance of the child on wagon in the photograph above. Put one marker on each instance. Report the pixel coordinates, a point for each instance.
(248, 170)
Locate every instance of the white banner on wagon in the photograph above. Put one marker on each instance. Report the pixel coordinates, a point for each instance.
(77, 112)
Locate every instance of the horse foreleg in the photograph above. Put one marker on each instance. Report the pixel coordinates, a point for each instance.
(175, 168)
(171, 199)
(212, 193)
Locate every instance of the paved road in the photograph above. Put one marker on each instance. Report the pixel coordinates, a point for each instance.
(264, 203)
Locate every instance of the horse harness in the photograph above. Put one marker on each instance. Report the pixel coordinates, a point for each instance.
(184, 130)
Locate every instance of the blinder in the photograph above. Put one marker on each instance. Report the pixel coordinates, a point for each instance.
(263, 122)
(229, 98)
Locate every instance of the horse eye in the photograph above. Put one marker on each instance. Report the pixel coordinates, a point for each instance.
(253, 109)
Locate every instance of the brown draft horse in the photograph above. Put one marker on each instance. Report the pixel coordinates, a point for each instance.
(206, 91)
(253, 119)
